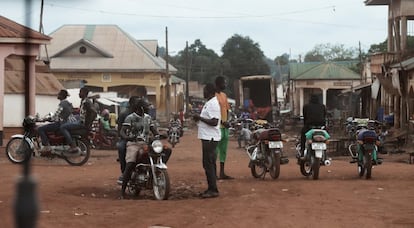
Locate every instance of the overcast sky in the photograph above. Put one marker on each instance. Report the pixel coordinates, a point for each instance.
(278, 26)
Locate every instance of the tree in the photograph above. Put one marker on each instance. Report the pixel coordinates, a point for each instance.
(383, 46)
(245, 57)
(203, 63)
(331, 52)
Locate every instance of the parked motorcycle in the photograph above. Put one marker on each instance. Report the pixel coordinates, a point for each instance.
(174, 135)
(315, 154)
(266, 153)
(151, 171)
(368, 146)
(100, 140)
(21, 147)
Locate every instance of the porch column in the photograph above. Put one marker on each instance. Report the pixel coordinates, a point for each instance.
(2, 76)
(301, 103)
(324, 96)
(31, 105)
(390, 42)
(403, 40)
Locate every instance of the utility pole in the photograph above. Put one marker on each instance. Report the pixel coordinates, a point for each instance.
(167, 74)
(187, 80)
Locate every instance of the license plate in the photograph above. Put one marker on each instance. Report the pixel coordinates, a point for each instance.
(275, 144)
(318, 146)
(318, 153)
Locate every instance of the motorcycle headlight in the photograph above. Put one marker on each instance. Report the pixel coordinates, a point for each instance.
(157, 146)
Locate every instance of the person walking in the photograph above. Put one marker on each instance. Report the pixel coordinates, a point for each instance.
(209, 133)
(224, 126)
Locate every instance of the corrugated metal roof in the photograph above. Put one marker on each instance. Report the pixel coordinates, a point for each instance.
(407, 64)
(12, 30)
(129, 55)
(377, 2)
(46, 83)
(326, 70)
(150, 45)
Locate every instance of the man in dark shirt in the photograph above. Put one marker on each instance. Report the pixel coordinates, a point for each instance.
(314, 114)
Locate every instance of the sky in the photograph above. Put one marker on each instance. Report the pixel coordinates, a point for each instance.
(293, 27)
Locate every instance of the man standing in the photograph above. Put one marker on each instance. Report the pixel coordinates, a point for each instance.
(224, 126)
(209, 133)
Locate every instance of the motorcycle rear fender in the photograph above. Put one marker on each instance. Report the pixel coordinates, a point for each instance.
(20, 136)
(318, 153)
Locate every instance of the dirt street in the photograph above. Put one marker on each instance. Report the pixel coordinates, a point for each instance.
(86, 196)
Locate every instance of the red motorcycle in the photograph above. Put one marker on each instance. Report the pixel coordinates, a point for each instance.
(21, 148)
(101, 139)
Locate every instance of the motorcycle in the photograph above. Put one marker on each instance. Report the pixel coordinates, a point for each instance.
(174, 135)
(151, 171)
(100, 140)
(315, 154)
(266, 153)
(368, 146)
(21, 147)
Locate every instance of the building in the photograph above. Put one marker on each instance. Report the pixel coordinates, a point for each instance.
(21, 83)
(393, 69)
(107, 59)
(327, 80)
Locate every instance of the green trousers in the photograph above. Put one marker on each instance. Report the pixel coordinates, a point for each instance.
(221, 148)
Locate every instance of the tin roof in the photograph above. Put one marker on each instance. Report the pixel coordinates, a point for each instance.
(100, 48)
(46, 83)
(324, 71)
(12, 31)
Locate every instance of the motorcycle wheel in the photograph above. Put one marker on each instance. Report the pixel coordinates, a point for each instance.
(257, 170)
(132, 188)
(18, 150)
(305, 168)
(368, 165)
(84, 155)
(162, 188)
(315, 168)
(275, 167)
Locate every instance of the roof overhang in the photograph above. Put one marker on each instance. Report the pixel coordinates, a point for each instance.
(377, 2)
(356, 88)
(407, 64)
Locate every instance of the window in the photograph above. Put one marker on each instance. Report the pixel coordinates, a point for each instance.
(82, 50)
(106, 77)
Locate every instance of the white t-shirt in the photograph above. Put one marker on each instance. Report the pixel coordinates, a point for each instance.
(210, 110)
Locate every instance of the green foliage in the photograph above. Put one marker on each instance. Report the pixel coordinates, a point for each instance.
(203, 64)
(331, 52)
(245, 57)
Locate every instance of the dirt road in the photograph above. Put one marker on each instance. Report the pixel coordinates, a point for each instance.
(86, 196)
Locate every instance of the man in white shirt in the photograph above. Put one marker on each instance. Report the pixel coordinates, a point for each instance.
(209, 133)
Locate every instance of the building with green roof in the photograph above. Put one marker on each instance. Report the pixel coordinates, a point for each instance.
(324, 79)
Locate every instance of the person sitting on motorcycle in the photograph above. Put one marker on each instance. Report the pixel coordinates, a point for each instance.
(314, 115)
(105, 126)
(86, 116)
(175, 122)
(368, 131)
(136, 130)
(61, 116)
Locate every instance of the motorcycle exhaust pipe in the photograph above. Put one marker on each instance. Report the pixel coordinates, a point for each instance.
(327, 162)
